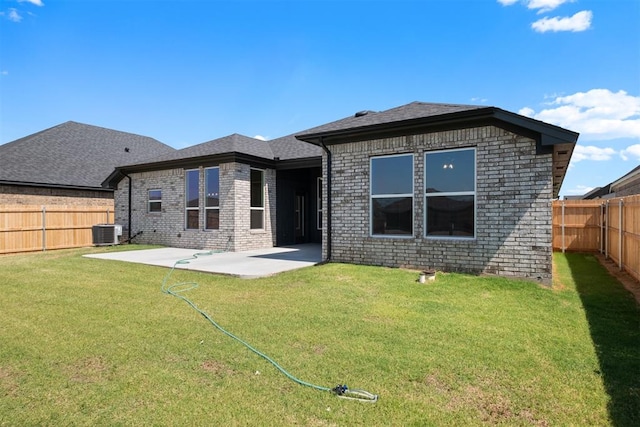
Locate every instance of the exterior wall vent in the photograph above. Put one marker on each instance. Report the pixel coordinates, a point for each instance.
(106, 234)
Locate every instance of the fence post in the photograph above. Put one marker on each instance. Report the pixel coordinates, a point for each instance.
(601, 227)
(620, 232)
(107, 221)
(562, 226)
(44, 228)
(606, 231)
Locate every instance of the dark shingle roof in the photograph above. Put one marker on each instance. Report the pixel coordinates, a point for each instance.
(73, 155)
(414, 110)
(290, 148)
(234, 143)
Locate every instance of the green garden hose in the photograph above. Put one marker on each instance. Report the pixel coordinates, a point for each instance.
(177, 289)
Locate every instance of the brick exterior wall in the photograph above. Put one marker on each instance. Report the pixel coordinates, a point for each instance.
(168, 227)
(513, 206)
(25, 195)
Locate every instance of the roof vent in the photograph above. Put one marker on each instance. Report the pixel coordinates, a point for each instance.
(363, 113)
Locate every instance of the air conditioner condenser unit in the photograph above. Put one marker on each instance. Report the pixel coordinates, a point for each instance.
(106, 234)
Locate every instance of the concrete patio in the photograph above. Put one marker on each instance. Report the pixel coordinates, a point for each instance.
(247, 264)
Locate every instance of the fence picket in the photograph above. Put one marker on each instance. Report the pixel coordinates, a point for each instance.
(28, 228)
(609, 226)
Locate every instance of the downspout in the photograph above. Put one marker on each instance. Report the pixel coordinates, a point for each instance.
(326, 150)
(129, 207)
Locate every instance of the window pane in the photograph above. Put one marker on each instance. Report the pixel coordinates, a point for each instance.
(155, 194)
(257, 217)
(213, 219)
(392, 215)
(155, 206)
(212, 187)
(450, 216)
(257, 192)
(193, 220)
(392, 175)
(450, 171)
(193, 189)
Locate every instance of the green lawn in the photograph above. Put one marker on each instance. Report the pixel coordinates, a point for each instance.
(94, 342)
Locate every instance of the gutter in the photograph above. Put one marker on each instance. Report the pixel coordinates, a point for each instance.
(326, 150)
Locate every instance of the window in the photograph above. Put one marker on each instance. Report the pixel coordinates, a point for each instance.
(155, 201)
(392, 195)
(212, 198)
(319, 203)
(257, 199)
(450, 193)
(192, 199)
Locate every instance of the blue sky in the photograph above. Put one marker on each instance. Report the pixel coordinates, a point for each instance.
(186, 72)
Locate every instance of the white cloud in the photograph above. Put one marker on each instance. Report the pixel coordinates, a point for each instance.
(591, 152)
(4, 73)
(597, 114)
(581, 21)
(632, 151)
(260, 137)
(14, 15)
(480, 100)
(36, 2)
(546, 5)
(542, 5)
(578, 190)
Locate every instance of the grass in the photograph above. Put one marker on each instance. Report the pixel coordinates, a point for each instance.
(93, 342)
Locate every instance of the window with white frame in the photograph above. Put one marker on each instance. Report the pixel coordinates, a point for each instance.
(391, 188)
(450, 193)
(319, 203)
(155, 201)
(257, 199)
(212, 198)
(192, 199)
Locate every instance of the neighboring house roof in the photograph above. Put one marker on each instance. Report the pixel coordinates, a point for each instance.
(596, 193)
(420, 117)
(609, 190)
(72, 155)
(633, 175)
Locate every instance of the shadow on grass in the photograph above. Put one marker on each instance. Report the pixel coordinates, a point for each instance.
(614, 323)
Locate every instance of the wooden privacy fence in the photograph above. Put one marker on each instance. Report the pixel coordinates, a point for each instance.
(25, 228)
(610, 226)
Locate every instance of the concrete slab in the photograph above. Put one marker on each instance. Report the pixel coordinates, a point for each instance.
(247, 264)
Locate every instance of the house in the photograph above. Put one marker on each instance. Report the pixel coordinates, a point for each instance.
(66, 164)
(627, 185)
(223, 194)
(451, 187)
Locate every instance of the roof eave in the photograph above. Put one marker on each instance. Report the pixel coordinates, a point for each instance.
(192, 162)
(48, 185)
(549, 138)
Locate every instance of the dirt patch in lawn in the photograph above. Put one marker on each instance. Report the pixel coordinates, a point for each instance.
(631, 284)
(217, 368)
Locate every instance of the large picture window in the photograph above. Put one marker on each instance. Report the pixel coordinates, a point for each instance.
(392, 195)
(257, 199)
(212, 198)
(192, 199)
(450, 193)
